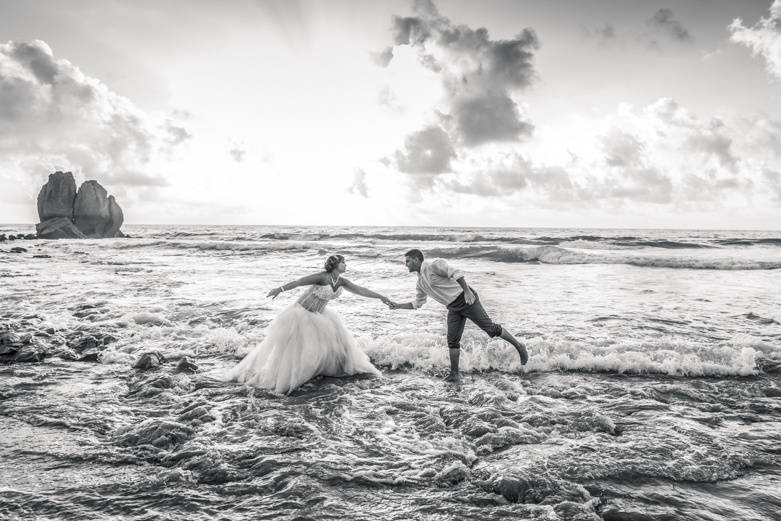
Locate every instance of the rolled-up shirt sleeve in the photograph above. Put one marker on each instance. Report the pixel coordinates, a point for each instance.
(443, 269)
(420, 297)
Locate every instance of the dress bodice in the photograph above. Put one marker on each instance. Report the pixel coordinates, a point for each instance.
(316, 297)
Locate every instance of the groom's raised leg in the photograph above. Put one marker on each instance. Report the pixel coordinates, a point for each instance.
(518, 346)
(477, 314)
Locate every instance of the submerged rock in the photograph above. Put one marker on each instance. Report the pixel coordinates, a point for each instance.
(149, 360)
(15, 348)
(17, 249)
(84, 343)
(186, 365)
(159, 433)
(452, 474)
(28, 354)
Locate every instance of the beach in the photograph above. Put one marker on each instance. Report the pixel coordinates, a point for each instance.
(652, 390)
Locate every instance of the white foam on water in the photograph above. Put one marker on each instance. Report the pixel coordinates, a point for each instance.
(148, 318)
(670, 357)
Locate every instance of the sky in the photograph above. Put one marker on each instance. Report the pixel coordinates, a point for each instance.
(517, 113)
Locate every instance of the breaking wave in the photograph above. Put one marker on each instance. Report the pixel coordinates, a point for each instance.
(557, 255)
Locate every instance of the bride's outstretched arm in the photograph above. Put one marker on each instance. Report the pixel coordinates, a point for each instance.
(360, 290)
(315, 278)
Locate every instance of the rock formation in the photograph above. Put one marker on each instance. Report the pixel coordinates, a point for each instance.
(56, 197)
(68, 214)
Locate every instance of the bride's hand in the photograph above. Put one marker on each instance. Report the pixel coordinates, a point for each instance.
(274, 292)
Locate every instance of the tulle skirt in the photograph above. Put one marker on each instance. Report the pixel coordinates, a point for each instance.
(300, 345)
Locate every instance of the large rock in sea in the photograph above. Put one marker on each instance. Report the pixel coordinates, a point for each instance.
(56, 197)
(95, 213)
(58, 228)
(68, 214)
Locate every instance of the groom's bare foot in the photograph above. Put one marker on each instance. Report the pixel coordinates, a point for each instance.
(453, 377)
(523, 353)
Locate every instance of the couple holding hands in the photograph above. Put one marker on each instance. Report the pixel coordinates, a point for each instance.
(306, 339)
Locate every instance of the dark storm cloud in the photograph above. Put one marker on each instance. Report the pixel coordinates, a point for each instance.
(479, 74)
(426, 151)
(50, 111)
(664, 22)
(489, 118)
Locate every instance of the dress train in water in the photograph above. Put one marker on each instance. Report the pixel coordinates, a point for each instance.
(305, 340)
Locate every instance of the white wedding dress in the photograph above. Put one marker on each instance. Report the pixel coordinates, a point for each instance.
(305, 340)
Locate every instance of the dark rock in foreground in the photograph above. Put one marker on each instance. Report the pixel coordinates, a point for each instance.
(16, 348)
(68, 214)
(186, 365)
(149, 360)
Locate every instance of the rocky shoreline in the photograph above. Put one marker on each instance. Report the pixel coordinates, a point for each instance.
(26, 341)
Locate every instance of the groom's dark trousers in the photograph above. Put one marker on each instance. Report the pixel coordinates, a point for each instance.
(457, 313)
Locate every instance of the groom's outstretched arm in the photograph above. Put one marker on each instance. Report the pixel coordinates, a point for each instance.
(420, 299)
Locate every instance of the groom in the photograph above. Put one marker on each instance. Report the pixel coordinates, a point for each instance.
(447, 286)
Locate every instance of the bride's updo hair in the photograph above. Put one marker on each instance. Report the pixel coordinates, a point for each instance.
(332, 262)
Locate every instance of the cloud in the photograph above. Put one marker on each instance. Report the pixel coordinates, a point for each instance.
(488, 119)
(237, 153)
(176, 133)
(660, 155)
(603, 34)
(621, 148)
(383, 57)
(358, 185)
(764, 38)
(663, 22)
(479, 75)
(53, 114)
(773, 180)
(427, 151)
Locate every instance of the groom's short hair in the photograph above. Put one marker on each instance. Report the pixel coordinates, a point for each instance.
(415, 254)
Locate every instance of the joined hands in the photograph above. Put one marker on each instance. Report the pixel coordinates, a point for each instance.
(388, 302)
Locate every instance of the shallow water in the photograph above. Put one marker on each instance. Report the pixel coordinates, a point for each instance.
(653, 386)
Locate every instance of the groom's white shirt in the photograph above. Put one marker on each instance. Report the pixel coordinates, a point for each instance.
(437, 279)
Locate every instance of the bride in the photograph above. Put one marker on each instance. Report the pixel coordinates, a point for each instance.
(306, 339)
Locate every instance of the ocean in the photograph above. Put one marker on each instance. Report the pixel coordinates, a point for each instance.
(653, 390)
